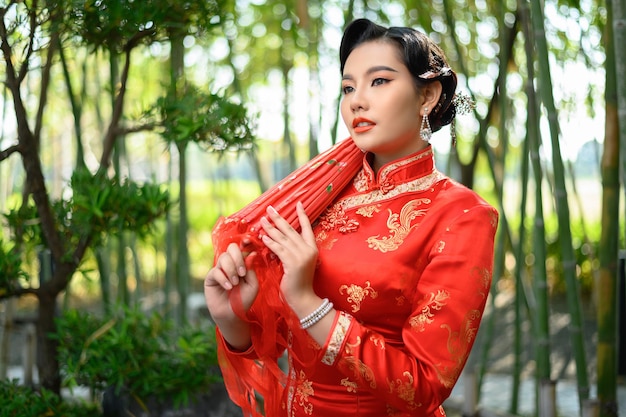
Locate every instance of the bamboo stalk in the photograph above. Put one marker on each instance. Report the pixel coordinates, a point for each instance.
(540, 320)
(619, 33)
(547, 399)
(519, 285)
(606, 289)
(560, 192)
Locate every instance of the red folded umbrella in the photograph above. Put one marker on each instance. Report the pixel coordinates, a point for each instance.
(316, 184)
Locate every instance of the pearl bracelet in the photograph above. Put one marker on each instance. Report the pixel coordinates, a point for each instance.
(316, 315)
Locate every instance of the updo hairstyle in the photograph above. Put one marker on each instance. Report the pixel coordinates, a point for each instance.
(424, 59)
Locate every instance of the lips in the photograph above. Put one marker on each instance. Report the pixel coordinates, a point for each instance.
(361, 125)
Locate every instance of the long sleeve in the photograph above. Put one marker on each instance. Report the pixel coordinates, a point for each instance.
(418, 374)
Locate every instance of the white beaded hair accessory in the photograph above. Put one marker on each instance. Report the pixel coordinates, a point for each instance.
(463, 104)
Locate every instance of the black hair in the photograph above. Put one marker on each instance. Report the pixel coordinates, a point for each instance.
(424, 59)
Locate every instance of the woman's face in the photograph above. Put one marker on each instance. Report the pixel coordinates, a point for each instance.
(380, 105)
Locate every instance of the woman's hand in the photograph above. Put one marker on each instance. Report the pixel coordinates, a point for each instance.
(227, 276)
(298, 253)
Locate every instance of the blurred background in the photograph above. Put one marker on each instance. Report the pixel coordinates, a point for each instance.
(129, 127)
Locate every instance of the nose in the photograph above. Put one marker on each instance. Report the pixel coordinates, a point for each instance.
(358, 100)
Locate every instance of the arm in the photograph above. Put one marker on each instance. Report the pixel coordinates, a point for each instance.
(439, 333)
(230, 278)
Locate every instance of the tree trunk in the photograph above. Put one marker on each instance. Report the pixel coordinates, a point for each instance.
(48, 365)
(184, 278)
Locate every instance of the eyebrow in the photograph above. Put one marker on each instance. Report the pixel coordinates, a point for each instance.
(371, 70)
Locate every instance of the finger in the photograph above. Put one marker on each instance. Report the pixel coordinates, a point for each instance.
(238, 262)
(305, 224)
(272, 244)
(217, 277)
(281, 224)
(274, 239)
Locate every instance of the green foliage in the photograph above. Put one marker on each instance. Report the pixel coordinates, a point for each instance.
(108, 205)
(142, 353)
(210, 120)
(10, 267)
(18, 400)
(99, 205)
(121, 24)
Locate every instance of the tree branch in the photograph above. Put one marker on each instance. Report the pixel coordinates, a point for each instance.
(45, 82)
(32, 15)
(119, 130)
(4, 154)
(112, 132)
(17, 292)
(111, 136)
(35, 183)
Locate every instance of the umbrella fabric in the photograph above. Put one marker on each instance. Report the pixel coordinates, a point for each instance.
(316, 184)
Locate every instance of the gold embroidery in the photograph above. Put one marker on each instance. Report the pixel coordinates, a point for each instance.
(441, 246)
(405, 389)
(386, 186)
(435, 302)
(305, 388)
(399, 226)
(361, 179)
(368, 211)
(483, 276)
(494, 218)
(350, 346)
(378, 340)
(335, 217)
(376, 196)
(350, 386)
(365, 176)
(357, 294)
(459, 344)
(361, 370)
(291, 389)
(324, 241)
(336, 338)
(392, 167)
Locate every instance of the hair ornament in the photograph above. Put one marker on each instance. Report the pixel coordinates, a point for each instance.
(429, 75)
(463, 103)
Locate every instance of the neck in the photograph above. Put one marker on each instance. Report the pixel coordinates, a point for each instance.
(377, 161)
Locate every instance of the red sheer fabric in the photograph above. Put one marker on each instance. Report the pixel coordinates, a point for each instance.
(316, 184)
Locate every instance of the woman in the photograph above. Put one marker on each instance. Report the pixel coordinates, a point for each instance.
(388, 285)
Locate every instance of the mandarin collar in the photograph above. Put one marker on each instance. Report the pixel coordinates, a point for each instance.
(403, 170)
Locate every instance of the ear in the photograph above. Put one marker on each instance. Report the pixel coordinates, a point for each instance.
(430, 96)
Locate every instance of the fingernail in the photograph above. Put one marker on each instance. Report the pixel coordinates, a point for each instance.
(228, 285)
(242, 271)
(272, 209)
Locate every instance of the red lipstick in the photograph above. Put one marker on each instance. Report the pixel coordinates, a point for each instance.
(362, 125)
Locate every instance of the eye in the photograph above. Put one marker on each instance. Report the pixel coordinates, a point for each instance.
(379, 81)
(347, 89)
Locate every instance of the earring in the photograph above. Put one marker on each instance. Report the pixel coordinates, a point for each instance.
(425, 131)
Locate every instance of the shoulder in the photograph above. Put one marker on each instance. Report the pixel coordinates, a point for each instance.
(453, 192)
(455, 199)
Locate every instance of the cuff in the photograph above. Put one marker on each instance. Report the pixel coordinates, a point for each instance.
(249, 353)
(337, 337)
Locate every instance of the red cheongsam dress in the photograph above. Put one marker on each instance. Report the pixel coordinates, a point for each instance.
(406, 258)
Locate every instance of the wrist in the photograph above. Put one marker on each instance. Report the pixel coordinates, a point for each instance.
(317, 315)
(235, 332)
(305, 305)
